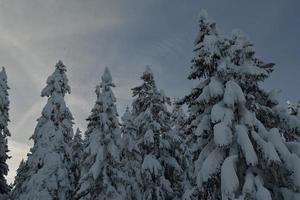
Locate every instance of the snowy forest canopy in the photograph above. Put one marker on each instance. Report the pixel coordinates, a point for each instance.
(235, 141)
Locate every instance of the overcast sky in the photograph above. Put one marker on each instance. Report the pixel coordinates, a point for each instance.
(127, 35)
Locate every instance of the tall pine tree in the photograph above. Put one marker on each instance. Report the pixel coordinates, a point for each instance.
(159, 168)
(238, 152)
(182, 153)
(46, 174)
(4, 133)
(131, 157)
(101, 174)
(77, 151)
(209, 50)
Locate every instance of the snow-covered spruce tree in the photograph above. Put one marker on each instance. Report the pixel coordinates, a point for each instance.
(22, 176)
(209, 52)
(159, 168)
(46, 174)
(182, 153)
(101, 174)
(4, 133)
(77, 151)
(240, 155)
(131, 157)
(178, 118)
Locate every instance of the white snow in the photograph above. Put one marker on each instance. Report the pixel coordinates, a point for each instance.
(233, 94)
(220, 113)
(204, 125)
(152, 165)
(248, 187)
(267, 148)
(213, 90)
(211, 166)
(222, 134)
(246, 145)
(229, 179)
(262, 193)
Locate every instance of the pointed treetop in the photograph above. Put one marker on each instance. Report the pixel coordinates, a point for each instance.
(3, 78)
(3, 75)
(106, 79)
(78, 136)
(148, 70)
(57, 82)
(148, 85)
(203, 15)
(148, 74)
(60, 65)
(207, 27)
(127, 115)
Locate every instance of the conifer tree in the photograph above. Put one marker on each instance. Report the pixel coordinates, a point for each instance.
(159, 168)
(4, 133)
(238, 152)
(209, 50)
(182, 153)
(77, 151)
(131, 157)
(46, 173)
(178, 118)
(22, 175)
(101, 175)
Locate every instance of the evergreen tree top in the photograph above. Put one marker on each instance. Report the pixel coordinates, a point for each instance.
(77, 135)
(209, 48)
(149, 85)
(203, 15)
(4, 103)
(3, 75)
(3, 82)
(148, 71)
(127, 115)
(105, 109)
(105, 95)
(106, 79)
(57, 82)
(207, 26)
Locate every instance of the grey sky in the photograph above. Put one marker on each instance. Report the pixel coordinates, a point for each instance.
(126, 35)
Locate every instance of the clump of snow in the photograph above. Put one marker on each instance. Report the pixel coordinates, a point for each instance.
(213, 90)
(151, 164)
(229, 179)
(222, 134)
(267, 148)
(220, 113)
(246, 145)
(233, 94)
(211, 166)
(248, 187)
(262, 193)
